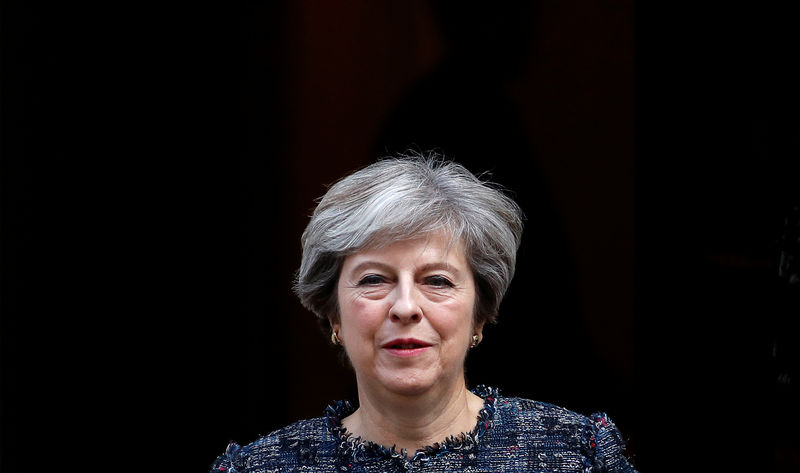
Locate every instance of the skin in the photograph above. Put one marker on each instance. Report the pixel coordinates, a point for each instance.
(421, 289)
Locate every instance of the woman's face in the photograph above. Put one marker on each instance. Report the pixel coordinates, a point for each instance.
(406, 315)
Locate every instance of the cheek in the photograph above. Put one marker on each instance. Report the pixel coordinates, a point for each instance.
(457, 323)
(360, 317)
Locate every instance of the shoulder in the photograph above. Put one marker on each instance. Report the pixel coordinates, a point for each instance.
(296, 444)
(609, 445)
(595, 439)
(529, 415)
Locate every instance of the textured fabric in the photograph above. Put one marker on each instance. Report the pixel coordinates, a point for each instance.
(512, 435)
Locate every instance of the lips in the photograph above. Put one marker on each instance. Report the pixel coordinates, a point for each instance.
(405, 344)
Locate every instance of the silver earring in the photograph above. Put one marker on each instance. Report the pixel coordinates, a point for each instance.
(475, 341)
(335, 339)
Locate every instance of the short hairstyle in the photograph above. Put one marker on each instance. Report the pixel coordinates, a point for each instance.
(404, 197)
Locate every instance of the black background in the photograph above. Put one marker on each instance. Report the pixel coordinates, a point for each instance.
(159, 164)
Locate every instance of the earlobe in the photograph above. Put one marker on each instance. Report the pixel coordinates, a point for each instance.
(477, 335)
(334, 324)
(475, 341)
(478, 330)
(335, 335)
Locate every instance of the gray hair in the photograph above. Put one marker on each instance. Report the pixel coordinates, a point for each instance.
(400, 198)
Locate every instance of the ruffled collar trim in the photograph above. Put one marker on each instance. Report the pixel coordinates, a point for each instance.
(360, 449)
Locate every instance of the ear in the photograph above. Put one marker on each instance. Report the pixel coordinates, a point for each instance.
(478, 330)
(335, 325)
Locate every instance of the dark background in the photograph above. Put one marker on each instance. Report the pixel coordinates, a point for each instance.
(159, 164)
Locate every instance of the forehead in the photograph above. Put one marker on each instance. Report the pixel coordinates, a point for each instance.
(430, 248)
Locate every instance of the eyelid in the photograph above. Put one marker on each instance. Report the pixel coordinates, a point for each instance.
(363, 280)
(441, 280)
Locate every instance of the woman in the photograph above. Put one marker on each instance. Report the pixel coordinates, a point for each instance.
(407, 260)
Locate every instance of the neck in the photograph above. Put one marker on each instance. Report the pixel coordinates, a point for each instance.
(412, 422)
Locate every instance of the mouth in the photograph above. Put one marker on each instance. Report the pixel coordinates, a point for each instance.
(406, 344)
(406, 347)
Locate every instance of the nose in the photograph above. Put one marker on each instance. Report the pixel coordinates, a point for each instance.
(405, 308)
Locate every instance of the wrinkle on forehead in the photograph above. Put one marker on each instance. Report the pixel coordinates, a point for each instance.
(382, 240)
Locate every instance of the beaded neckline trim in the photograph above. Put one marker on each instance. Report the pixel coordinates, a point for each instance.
(360, 449)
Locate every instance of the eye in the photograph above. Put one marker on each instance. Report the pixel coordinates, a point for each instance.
(438, 281)
(371, 280)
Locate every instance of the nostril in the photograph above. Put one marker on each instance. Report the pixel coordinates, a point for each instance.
(400, 317)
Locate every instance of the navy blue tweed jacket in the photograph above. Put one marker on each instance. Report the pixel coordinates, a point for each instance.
(512, 435)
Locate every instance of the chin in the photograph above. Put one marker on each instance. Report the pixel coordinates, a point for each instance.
(411, 384)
